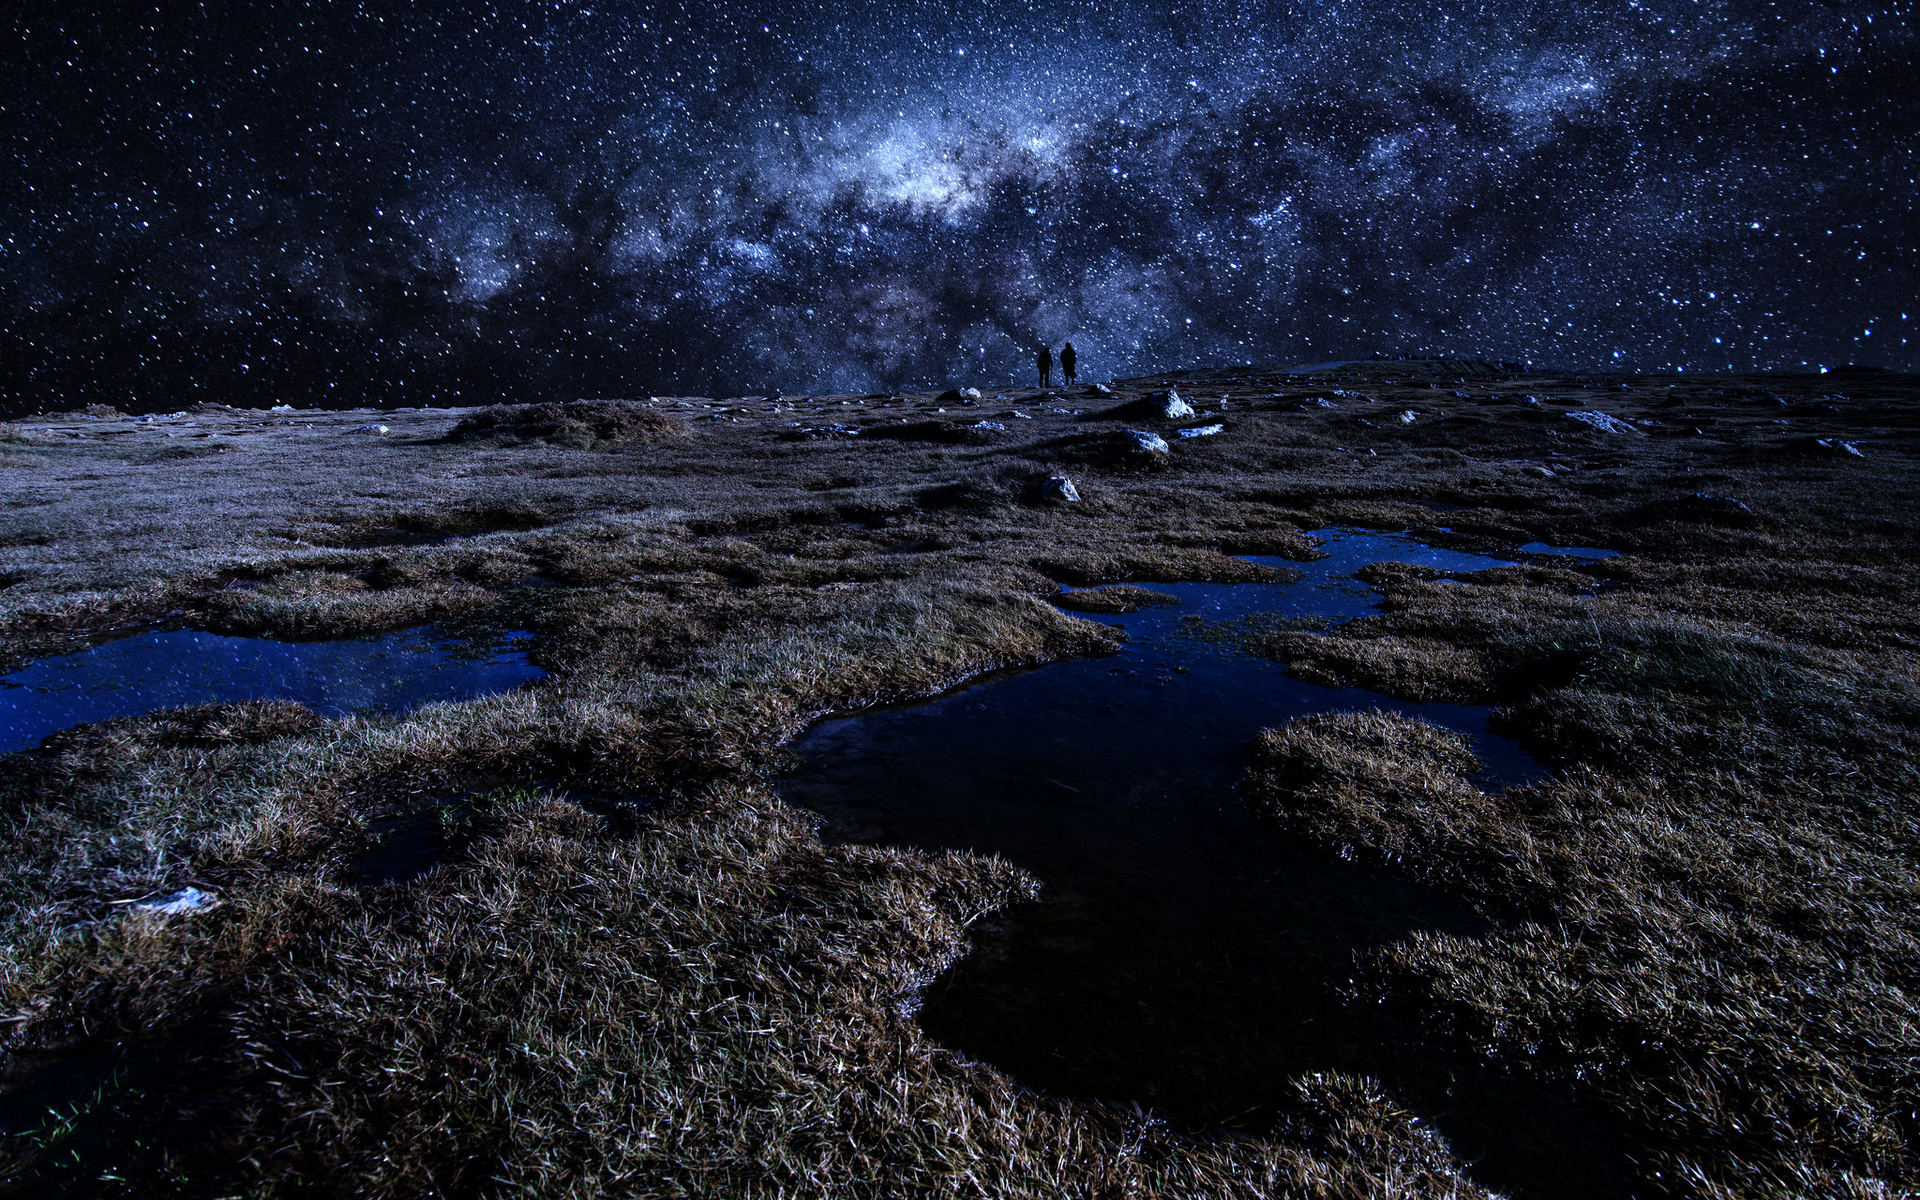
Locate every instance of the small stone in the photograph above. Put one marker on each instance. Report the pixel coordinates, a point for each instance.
(371, 429)
(184, 900)
(1202, 431)
(969, 394)
(825, 431)
(988, 425)
(1727, 504)
(1601, 421)
(1409, 417)
(1099, 389)
(1149, 443)
(1538, 472)
(1059, 488)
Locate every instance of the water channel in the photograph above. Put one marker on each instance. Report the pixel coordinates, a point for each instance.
(166, 668)
(1182, 955)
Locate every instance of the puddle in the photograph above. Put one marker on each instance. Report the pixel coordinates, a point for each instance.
(167, 668)
(410, 845)
(1569, 551)
(1182, 955)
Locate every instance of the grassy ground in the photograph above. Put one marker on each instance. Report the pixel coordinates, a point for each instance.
(639, 971)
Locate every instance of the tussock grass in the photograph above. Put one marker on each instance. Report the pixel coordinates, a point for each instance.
(1704, 920)
(582, 424)
(717, 1007)
(1726, 972)
(1119, 598)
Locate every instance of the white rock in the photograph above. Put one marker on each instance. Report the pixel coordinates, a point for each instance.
(1152, 443)
(1059, 487)
(371, 429)
(969, 393)
(1168, 404)
(1601, 421)
(1409, 417)
(1202, 431)
(184, 900)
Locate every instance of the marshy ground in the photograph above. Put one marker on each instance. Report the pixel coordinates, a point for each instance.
(638, 970)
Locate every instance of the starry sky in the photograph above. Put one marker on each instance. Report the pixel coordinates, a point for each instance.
(344, 204)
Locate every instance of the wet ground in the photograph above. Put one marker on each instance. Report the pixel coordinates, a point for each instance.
(167, 668)
(1182, 956)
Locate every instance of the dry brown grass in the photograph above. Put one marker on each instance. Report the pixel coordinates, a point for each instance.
(1120, 598)
(581, 424)
(716, 1007)
(1705, 918)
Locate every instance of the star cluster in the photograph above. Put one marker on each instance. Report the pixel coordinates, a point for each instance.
(346, 204)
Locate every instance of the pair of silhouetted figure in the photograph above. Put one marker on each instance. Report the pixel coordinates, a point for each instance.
(1067, 360)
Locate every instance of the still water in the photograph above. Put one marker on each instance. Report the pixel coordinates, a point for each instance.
(1182, 955)
(166, 668)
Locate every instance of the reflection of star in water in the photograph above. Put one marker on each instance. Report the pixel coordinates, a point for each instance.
(599, 201)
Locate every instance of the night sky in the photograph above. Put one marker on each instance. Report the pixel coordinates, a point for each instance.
(388, 204)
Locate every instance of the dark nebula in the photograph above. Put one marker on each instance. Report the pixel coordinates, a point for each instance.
(410, 204)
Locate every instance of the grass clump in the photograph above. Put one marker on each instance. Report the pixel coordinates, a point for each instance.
(717, 1006)
(579, 424)
(1115, 600)
(1728, 978)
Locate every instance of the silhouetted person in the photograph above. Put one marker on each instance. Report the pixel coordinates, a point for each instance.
(1067, 359)
(1045, 363)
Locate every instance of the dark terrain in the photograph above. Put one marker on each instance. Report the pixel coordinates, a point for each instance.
(636, 968)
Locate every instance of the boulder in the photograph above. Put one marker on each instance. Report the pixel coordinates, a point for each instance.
(1169, 405)
(1156, 406)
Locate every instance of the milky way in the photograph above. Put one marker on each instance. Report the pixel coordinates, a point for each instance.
(354, 205)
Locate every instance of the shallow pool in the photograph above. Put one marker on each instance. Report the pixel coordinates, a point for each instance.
(1182, 955)
(167, 668)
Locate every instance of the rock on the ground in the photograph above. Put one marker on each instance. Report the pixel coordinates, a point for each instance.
(1168, 404)
(1702, 502)
(1601, 421)
(185, 900)
(824, 431)
(1202, 431)
(1059, 488)
(1151, 444)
